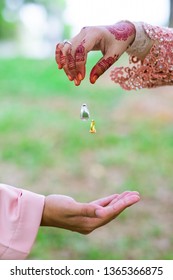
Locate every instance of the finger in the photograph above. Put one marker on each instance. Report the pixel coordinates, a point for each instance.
(102, 65)
(80, 58)
(72, 61)
(65, 59)
(111, 199)
(80, 50)
(86, 210)
(122, 195)
(70, 64)
(82, 44)
(112, 211)
(105, 200)
(59, 57)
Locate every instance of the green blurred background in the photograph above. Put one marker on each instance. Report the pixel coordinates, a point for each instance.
(46, 148)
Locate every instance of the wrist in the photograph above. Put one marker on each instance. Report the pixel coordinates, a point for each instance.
(141, 44)
(45, 220)
(133, 36)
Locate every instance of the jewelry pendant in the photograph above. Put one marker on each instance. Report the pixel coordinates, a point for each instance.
(92, 127)
(84, 113)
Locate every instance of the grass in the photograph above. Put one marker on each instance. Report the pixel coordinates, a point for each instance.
(46, 148)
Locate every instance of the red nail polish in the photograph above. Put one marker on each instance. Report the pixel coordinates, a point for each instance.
(77, 83)
(70, 77)
(94, 78)
(79, 76)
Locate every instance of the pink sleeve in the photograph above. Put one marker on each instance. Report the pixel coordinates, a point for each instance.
(20, 217)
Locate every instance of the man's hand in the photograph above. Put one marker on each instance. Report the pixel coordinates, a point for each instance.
(64, 212)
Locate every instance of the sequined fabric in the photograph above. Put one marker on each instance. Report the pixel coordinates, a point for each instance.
(156, 69)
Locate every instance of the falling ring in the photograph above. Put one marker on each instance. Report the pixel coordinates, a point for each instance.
(67, 42)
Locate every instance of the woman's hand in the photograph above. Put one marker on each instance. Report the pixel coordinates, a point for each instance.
(112, 41)
(64, 212)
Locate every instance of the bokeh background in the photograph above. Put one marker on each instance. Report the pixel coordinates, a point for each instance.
(46, 148)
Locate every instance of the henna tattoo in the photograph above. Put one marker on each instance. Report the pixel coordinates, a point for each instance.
(101, 67)
(80, 53)
(62, 59)
(122, 30)
(57, 50)
(155, 69)
(104, 64)
(71, 61)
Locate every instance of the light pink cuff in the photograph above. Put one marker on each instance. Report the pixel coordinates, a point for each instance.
(20, 217)
(142, 43)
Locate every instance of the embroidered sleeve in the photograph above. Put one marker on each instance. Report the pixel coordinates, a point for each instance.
(150, 59)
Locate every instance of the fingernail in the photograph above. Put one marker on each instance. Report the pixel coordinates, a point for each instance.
(79, 76)
(70, 77)
(94, 78)
(135, 192)
(132, 199)
(77, 83)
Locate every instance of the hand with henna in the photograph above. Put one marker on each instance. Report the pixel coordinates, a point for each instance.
(112, 41)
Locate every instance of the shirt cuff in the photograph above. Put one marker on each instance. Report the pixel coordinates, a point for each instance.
(22, 217)
(142, 43)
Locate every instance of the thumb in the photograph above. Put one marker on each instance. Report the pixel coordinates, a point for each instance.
(101, 66)
(87, 210)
